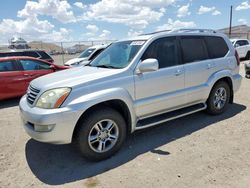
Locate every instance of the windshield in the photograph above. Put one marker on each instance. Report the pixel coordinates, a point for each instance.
(117, 55)
(86, 53)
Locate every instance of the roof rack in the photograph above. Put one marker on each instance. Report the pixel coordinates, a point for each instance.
(182, 30)
(162, 31)
(195, 30)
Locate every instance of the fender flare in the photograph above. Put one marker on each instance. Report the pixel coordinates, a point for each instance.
(87, 101)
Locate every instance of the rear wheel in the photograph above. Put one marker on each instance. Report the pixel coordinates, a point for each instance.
(218, 99)
(101, 134)
(248, 55)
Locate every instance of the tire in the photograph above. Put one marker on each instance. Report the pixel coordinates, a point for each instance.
(94, 140)
(218, 105)
(248, 56)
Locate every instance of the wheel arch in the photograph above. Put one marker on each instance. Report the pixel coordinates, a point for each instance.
(229, 81)
(116, 104)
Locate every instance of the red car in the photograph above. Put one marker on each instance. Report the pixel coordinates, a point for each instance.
(17, 72)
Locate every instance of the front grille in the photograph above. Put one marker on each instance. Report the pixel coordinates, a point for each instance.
(32, 94)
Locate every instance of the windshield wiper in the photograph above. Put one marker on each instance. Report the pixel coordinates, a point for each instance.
(106, 66)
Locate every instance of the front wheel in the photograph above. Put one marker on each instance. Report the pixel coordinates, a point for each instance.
(218, 99)
(101, 134)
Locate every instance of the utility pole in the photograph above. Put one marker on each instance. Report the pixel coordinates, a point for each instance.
(230, 26)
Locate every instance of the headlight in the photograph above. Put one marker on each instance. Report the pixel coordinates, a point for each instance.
(53, 98)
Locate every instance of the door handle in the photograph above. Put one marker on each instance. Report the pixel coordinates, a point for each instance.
(178, 72)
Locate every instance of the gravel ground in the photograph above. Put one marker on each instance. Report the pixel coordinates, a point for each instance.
(195, 151)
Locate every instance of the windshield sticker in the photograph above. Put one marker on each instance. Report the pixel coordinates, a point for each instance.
(137, 43)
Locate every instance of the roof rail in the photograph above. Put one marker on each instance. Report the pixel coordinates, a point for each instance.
(195, 30)
(182, 30)
(156, 32)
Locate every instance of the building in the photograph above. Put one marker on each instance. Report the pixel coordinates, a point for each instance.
(240, 31)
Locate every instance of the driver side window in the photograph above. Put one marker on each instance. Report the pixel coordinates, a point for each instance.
(164, 50)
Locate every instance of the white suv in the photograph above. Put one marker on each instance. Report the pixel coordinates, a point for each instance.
(133, 84)
(243, 47)
(86, 56)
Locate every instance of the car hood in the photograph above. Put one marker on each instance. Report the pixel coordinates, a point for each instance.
(72, 77)
(75, 60)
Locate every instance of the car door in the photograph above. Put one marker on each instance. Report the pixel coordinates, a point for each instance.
(11, 79)
(198, 67)
(161, 90)
(33, 69)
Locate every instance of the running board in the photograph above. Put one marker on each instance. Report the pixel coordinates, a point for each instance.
(149, 122)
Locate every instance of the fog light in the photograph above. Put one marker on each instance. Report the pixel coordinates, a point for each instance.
(43, 128)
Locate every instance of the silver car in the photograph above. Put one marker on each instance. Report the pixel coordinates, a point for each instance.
(133, 84)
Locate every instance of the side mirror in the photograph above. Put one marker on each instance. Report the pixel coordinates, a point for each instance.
(148, 65)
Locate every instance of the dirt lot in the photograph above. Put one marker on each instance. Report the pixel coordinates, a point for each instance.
(195, 151)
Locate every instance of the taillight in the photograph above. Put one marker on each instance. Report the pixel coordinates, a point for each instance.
(237, 58)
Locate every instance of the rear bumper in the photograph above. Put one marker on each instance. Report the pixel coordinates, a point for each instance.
(236, 82)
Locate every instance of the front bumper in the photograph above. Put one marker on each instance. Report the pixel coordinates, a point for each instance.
(62, 122)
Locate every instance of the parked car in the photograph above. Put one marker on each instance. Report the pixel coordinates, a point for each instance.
(40, 54)
(247, 69)
(17, 72)
(133, 84)
(243, 47)
(18, 43)
(86, 56)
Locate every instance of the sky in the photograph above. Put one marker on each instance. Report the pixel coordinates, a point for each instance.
(84, 20)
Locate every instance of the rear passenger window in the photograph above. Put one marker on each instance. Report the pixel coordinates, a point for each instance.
(216, 46)
(193, 49)
(164, 50)
(44, 55)
(242, 42)
(31, 54)
(6, 66)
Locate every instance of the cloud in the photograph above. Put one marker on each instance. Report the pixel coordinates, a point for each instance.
(242, 21)
(32, 29)
(60, 10)
(92, 28)
(80, 5)
(105, 34)
(183, 11)
(133, 33)
(62, 35)
(212, 10)
(243, 6)
(136, 14)
(28, 26)
(216, 12)
(177, 24)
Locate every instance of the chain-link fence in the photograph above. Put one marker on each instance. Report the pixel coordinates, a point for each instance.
(60, 51)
